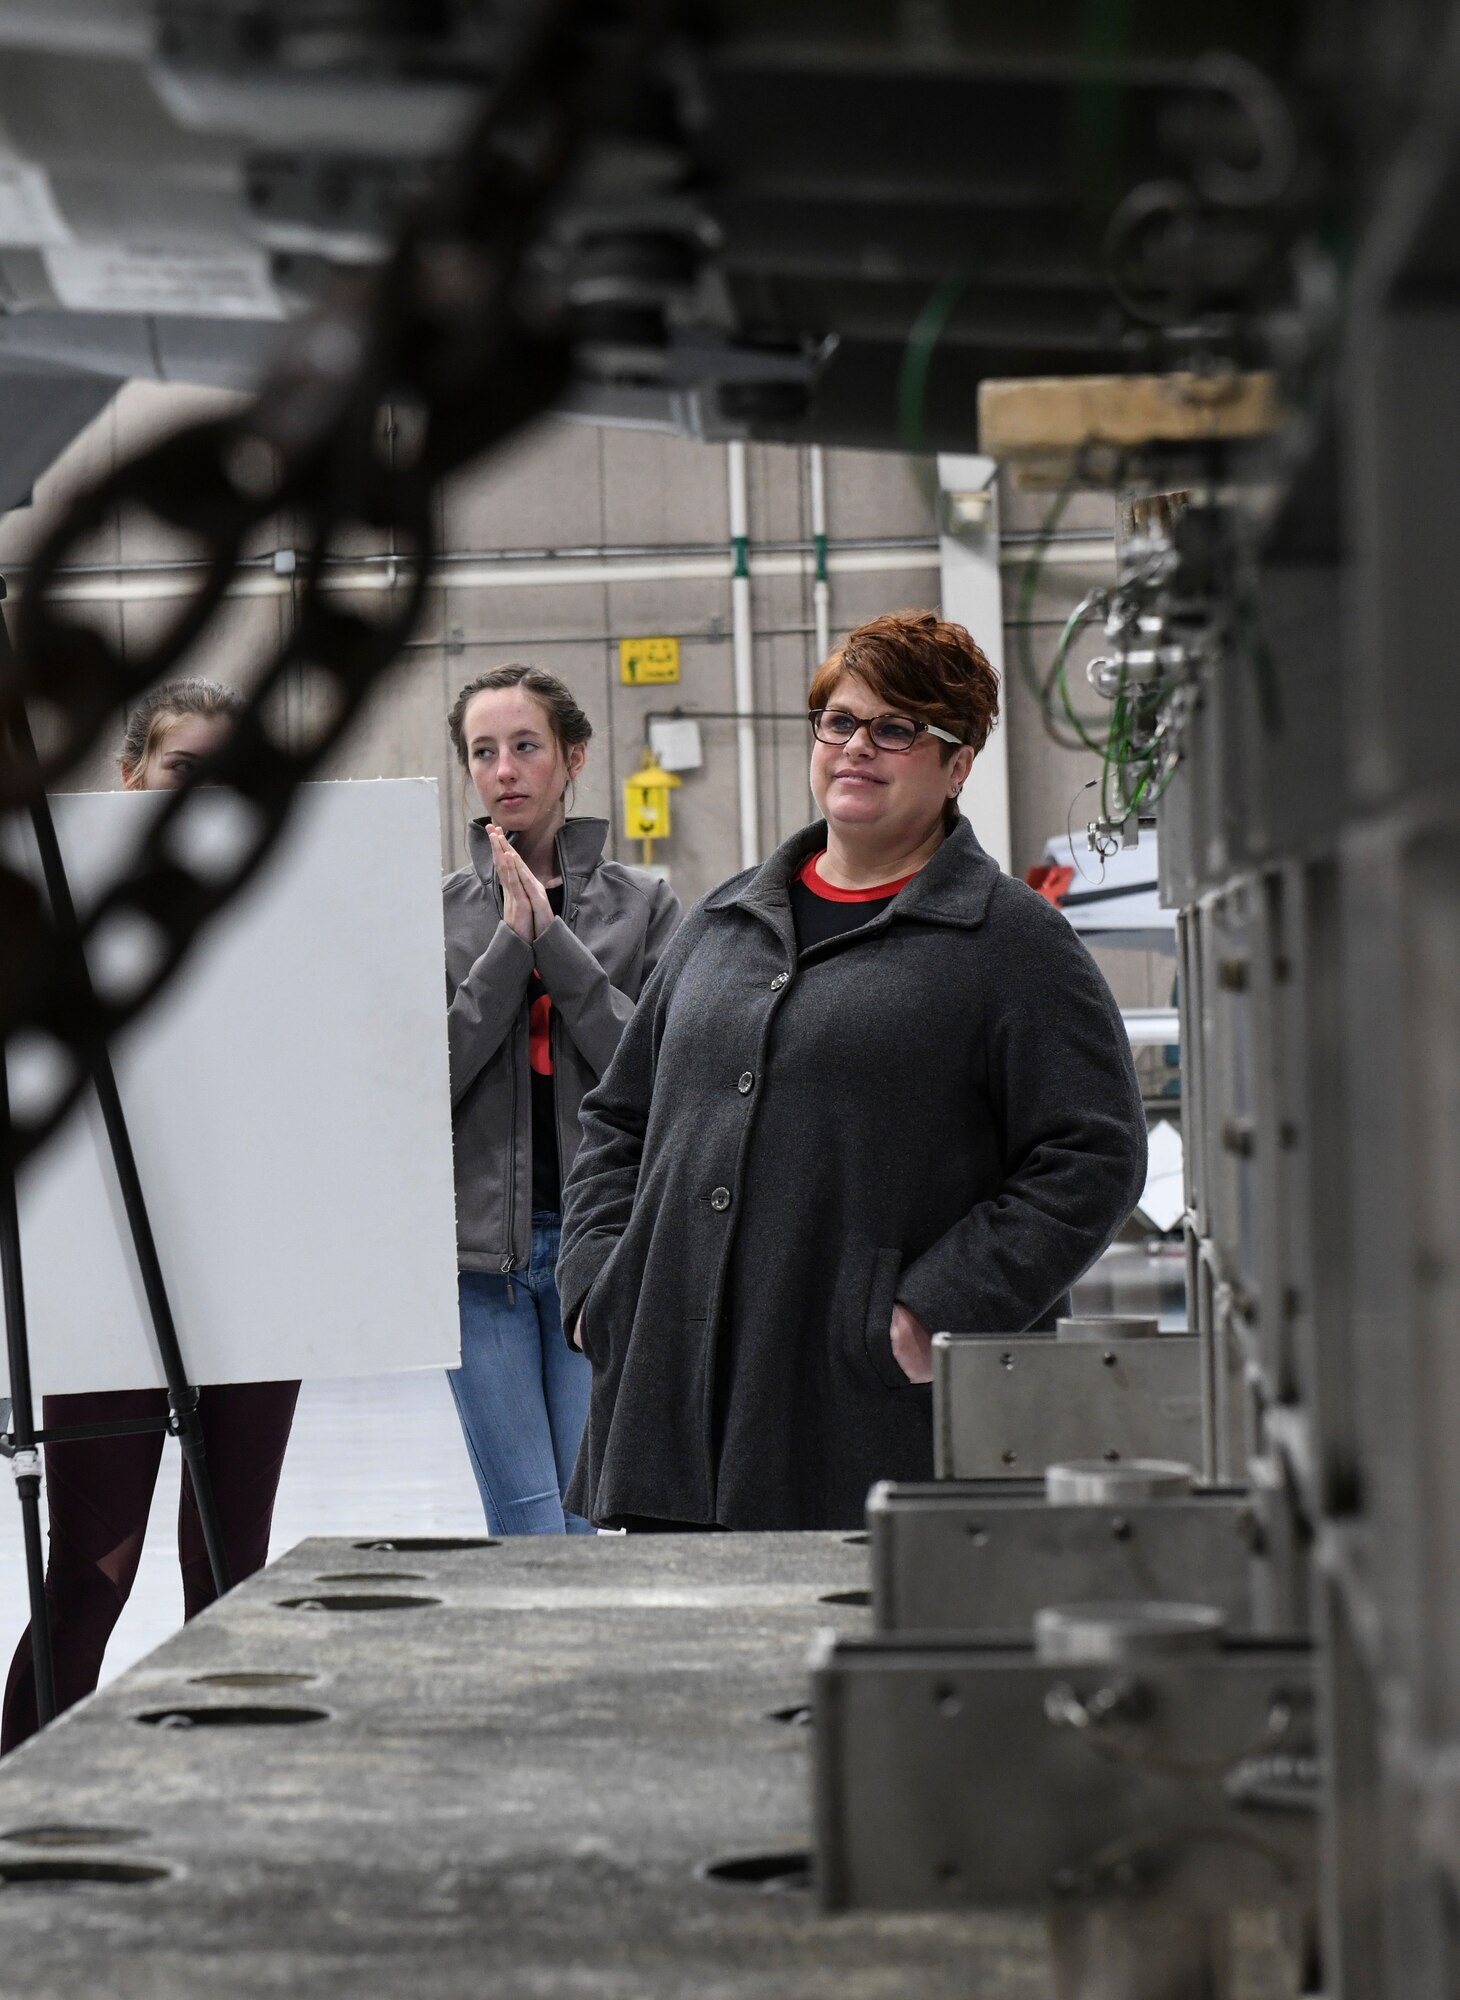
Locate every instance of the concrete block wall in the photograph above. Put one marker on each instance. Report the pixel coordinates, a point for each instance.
(563, 488)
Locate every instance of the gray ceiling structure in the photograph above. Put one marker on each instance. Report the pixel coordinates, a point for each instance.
(833, 221)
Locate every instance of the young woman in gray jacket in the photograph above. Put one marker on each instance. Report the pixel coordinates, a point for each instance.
(547, 947)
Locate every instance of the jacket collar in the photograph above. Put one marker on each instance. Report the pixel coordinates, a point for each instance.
(953, 887)
(580, 846)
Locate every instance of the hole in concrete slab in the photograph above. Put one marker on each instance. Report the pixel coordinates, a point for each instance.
(791, 1870)
(80, 1868)
(420, 1545)
(863, 1597)
(242, 1679)
(798, 1715)
(856, 1541)
(60, 1834)
(253, 1716)
(372, 1576)
(356, 1600)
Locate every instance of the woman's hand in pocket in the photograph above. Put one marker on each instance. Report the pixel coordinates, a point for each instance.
(912, 1345)
(578, 1333)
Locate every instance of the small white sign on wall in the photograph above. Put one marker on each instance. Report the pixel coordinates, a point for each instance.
(675, 741)
(289, 1106)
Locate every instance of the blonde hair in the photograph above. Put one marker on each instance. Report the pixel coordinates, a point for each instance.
(155, 714)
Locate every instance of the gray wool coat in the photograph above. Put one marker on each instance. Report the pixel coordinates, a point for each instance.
(940, 1108)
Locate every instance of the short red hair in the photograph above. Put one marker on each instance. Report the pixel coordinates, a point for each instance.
(922, 666)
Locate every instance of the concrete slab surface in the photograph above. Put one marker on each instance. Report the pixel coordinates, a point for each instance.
(379, 1448)
(513, 1790)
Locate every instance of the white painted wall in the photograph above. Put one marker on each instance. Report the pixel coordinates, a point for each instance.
(588, 536)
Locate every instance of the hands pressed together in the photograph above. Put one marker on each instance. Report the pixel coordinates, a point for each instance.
(526, 910)
(525, 905)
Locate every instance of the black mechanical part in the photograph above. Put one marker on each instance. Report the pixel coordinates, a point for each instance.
(647, 207)
(463, 324)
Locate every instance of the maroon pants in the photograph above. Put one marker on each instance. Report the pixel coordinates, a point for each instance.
(99, 1493)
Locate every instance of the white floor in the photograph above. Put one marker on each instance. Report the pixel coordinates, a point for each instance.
(370, 1457)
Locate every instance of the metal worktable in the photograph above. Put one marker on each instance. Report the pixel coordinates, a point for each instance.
(515, 1790)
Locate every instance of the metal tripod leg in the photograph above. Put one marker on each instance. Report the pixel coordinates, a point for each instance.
(182, 1396)
(26, 1462)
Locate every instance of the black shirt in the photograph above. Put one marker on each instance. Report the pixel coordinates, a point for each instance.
(820, 912)
(547, 1172)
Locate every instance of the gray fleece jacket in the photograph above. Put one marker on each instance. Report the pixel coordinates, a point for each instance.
(592, 960)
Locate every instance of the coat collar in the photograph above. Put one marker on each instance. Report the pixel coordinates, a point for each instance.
(953, 887)
(580, 845)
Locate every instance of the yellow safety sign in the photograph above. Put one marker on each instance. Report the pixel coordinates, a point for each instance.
(645, 662)
(646, 803)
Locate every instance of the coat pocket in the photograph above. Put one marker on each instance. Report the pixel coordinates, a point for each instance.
(602, 1312)
(877, 1322)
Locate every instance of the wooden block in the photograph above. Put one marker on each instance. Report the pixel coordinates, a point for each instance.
(1064, 412)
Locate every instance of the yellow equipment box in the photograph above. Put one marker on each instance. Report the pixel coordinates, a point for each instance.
(646, 803)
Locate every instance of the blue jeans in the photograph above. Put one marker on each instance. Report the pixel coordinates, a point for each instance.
(521, 1392)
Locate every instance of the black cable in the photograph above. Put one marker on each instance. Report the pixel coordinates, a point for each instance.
(119, 1427)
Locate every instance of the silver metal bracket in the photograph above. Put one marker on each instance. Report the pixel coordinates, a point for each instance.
(970, 1556)
(949, 1775)
(1012, 1404)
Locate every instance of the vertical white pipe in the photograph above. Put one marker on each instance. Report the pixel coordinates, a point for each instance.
(820, 589)
(748, 783)
(973, 597)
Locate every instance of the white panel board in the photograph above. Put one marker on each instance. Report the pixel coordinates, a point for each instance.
(290, 1108)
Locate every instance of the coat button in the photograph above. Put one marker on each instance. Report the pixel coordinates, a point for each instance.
(745, 1083)
(720, 1199)
(779, 981)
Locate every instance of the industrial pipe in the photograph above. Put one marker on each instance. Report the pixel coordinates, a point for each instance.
(820, 588)
(147, 583)
(748, 786)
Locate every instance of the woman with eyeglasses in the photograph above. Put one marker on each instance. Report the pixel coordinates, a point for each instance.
(875, 1088)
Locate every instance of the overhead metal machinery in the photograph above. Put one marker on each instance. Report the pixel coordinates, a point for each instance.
(1204, 260)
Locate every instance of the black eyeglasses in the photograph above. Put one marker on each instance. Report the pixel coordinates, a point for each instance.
(886, 732)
